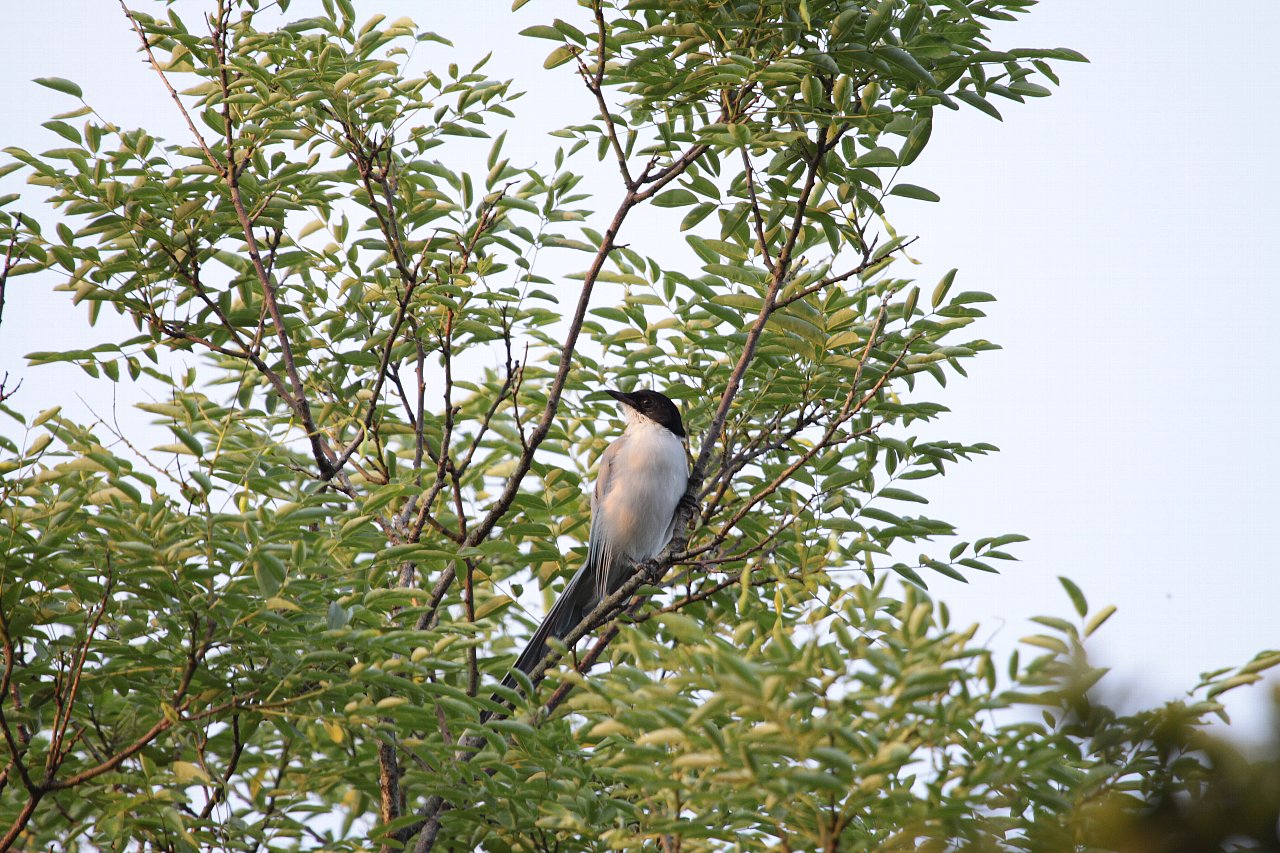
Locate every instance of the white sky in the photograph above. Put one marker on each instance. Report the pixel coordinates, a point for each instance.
(1128, 226)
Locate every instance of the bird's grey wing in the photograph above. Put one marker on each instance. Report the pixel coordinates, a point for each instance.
(601, 553)
(675, 511)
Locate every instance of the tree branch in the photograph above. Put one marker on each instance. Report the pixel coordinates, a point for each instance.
(230, 173)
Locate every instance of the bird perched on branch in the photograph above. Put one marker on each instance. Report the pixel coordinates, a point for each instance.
(639, 484)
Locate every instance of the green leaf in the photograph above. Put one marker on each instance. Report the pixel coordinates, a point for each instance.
(895, 494)
(743, 301)
(45, 416)
(878, 157)
(910, 574)
(908, 63)
(188, 439)
(975, 100)
(560, 56)
(699, 213)
(811, 90)
(909, 305)
(270, 574)
(1077, 597)
(541, 31)
(970, 296)
(187, 773)
(682, 627)
(879, 19)
(64, 130)
(493, 605)
(1029, 89)
(843, 340)
(944, 285)
(946, 569)
(675, 198)
(1098, 618)
(570, 31)
(60, 84)
(916, 192)
(916, 141)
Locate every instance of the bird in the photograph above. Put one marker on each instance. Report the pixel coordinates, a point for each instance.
(640, 482)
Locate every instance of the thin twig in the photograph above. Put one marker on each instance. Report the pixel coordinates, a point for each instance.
(594, 79)
(756, 216)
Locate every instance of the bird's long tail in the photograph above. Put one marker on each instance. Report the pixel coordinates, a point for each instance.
(567, 612)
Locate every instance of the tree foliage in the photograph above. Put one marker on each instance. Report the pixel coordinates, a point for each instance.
(286, 625)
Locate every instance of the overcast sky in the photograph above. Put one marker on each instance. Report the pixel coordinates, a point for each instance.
(1128, 225)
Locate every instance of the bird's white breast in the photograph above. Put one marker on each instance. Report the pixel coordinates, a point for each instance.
(652, 472)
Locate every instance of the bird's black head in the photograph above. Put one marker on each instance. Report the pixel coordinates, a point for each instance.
(654, 406)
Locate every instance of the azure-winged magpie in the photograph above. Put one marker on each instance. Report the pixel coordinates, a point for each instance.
(641, 478)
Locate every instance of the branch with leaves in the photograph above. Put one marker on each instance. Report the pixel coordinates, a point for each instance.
(375, 375)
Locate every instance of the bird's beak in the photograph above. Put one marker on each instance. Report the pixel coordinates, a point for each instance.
(619, 396)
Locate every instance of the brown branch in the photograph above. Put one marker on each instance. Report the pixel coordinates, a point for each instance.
(251, 353)
(770, 438)
(515, 400)
(756, 215)
(446, 438)
(12, 254)
(388, 787)
(410, 413)
(383, 369)
(175, 331)
(503, 392)
(469, 603)
(389, 225)
(6, 393)
(707, 563)
(17, 751)
(323, 455)
(670, 172)
(20, 822)
(55, 757)
(444, 459)
(6, 684)
(430, 828)
(237, 749)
